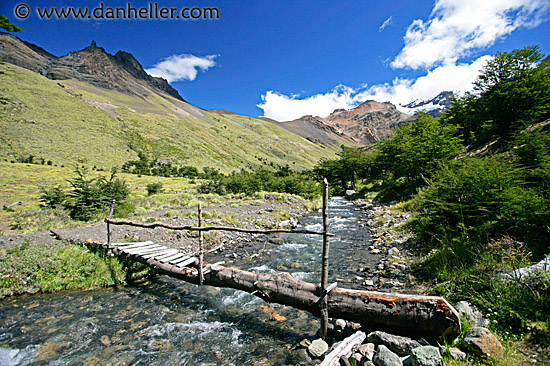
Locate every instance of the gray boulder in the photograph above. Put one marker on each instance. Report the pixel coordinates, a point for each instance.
(452, 352)
(426, 356)
(385, 357)
(402, 346)
(457, 354)
(317, 348)
(475, 317)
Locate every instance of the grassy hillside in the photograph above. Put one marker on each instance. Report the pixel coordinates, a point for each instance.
(23, 182)
(69, 121)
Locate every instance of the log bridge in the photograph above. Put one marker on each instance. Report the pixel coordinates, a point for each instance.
(421, 316)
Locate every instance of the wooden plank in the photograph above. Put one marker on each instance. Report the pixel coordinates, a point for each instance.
(171, 257)
(166, 254)
(145, 247)
(162, 251)
(130, 243)
(176, 261)
(188, 262)
(145, 250)
(126, 244)
(331, 287)
(137, 245)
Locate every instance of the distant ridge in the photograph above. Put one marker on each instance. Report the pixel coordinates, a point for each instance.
(367, 123)
(93, 65)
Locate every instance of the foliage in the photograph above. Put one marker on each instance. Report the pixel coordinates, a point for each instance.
(353, 163)
(52, 197)
(283, 181)
(144, 166)
(417, 148)
(154, 188)
(507, 302)
(88, 195)
(8, 26)
(30, 268)
(512, 91)
(473, 200)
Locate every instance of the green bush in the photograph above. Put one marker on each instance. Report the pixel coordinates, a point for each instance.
(510, 304)
(154, 188)
(249, 183)
(473, 200)
(92, 195)
(52, 197)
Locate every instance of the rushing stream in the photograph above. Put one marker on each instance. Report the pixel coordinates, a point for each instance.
(170, 322)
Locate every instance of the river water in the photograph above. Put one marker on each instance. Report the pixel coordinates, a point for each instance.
(170, 322)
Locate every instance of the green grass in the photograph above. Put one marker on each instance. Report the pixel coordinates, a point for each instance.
(82, 123)
(31, 269)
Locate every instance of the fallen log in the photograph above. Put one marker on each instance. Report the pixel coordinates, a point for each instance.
(421, 316)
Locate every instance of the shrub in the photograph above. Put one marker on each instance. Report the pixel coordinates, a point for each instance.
(249, 183)
(90, 195)
(473, 200)
(31, 268)
(172, 213)
(52, 197)
(154, 188)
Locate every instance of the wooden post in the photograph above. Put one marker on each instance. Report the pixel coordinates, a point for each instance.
(201, 247)
(111, 212)
(324, 269)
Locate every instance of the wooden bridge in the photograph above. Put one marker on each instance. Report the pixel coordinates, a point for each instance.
(428, 316)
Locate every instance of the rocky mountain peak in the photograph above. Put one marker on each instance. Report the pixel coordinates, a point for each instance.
(93, 65)
(365, 124)
(433, 106)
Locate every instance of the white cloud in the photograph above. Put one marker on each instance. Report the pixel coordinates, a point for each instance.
(386, 23)
(457, 78)
(182, 67)
(280, 107)
(458, 27)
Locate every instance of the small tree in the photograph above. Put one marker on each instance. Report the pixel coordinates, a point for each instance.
(89, 195)
(154, 188)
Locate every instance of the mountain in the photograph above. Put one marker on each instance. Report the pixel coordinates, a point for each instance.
(433, 106)
(102, 109)
(316, 130)
(92, 65)
(367, 123)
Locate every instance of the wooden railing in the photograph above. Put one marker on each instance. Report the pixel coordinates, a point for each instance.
(325, 287)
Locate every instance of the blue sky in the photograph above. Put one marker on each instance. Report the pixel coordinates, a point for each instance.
(284, 59)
